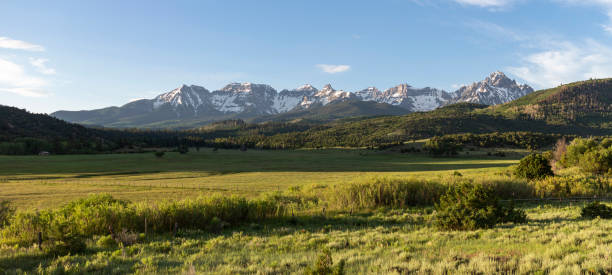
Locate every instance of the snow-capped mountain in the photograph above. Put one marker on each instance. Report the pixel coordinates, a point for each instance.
(248, 100)
(497, 88)
(407, 97)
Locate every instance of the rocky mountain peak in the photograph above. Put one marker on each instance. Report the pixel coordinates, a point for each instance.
(495, 89)
(306, 87)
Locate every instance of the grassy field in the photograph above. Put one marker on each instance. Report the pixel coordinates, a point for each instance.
(43, 182)
(555, 240)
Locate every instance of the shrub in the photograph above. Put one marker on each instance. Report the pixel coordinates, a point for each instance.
(6, 212)
(590, 155)
(65, 238)
(324, 265)
(107, 242)
(596, 209)
(596, 161)
(469, 207)
(533, 166)
(159, 154)
(576, 149)
(67, 245)
(557, 153)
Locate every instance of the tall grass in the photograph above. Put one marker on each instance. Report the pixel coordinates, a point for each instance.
(384, 192)
(101, 214)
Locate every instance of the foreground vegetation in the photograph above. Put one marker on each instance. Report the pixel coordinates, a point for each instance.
(555, 240)
(419, 214)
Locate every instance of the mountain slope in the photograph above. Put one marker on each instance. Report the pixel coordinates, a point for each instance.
(581, 108)
(497, 88)
(585, 103)
(192, 106)
(335, 110)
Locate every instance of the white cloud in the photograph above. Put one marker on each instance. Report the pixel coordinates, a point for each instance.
(566, 62)
(9, 43)
(39, 64)
(486, 3)
(14, 79)
(332, 69)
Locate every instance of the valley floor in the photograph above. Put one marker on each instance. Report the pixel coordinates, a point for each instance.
(48, 181)
(385, 241)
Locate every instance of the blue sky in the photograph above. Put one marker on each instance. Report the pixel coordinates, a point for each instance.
(76, 55)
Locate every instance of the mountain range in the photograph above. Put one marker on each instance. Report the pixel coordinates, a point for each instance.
(190, 106)
(582, 108)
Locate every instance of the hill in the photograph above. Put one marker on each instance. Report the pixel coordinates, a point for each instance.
(581, 108)
(22, 132)
(585, 104)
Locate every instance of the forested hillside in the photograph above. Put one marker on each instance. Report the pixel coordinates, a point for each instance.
(581, 109)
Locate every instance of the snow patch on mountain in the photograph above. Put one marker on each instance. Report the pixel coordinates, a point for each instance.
(497, 88)
(263, 99)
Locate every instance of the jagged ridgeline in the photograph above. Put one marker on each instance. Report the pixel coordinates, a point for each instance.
(581, 108)
(194, 106)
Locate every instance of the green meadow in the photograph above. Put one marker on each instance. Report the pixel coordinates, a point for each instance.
(48, 181)
(315, 222)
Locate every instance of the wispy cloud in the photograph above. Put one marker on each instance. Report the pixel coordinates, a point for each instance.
(486, 3)
(495, 30)
(565, 62)
(332, 69)
(8, 43)
(14, 79)
(40, 65)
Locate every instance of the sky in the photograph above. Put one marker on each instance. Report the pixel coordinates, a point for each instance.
(77, 55)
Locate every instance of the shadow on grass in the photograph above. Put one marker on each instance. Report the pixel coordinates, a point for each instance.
(127, 173)
(29, 263)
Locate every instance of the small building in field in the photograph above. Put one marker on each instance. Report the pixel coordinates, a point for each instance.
(43, 153)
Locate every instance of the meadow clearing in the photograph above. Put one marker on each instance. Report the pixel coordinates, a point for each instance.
(377, 240)
(48, 181)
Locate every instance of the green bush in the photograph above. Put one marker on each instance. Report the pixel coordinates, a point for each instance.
(6, 212)
(576, 149)
(469, 207)
(107, 242)
(324, 265)
(533, 166)
(67, 245)
(596, 209)
(159, 154)
(591, 155)
(596, 161)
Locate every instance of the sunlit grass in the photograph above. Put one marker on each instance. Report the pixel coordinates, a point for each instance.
(42, 182)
